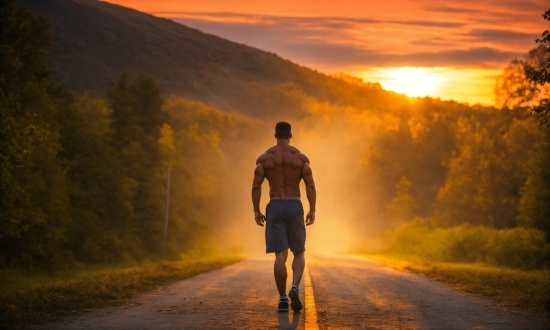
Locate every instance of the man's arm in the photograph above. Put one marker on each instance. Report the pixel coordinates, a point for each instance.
(311, 193)
(259, 176)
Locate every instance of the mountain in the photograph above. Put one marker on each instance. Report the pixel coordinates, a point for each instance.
(94, 42)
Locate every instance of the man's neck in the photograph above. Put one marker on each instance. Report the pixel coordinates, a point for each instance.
(281, 142)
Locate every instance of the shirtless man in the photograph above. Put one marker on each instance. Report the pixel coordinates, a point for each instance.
(284, 167)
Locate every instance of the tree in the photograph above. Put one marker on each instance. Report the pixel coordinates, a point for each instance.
(534, 204)
(402, 207)
(17, 48)
(136, 121)
(98, 195)
(514, 90)
(541, 74)
(465, 196)
(487, 171)
(34, 205)
(535, 194)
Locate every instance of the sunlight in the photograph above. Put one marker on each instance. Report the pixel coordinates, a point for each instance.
(412, 81)
(468, 85)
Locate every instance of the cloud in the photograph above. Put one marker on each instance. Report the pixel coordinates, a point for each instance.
(478, 57)
(330, 42)
(501, 35)
(487, 6)
(344, 56)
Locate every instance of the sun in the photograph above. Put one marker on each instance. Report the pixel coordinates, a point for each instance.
(411, 81)
(466, 85)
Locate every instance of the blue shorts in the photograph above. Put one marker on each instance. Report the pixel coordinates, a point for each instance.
(285, 227)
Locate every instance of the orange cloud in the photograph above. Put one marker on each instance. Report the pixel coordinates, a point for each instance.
(351, 36)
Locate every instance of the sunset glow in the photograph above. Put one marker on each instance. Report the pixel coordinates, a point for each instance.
(469, 85)
(412, 81)
(451, 50)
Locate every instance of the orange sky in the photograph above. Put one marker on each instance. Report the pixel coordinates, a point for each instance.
(457, 46)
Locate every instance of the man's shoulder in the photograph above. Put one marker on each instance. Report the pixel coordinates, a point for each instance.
(294, 150)
(272, 150)
(278, 149)
(268, 154)
(262, 158)
(303, 158)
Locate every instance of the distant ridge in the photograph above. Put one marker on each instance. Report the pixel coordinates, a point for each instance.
(94, 42)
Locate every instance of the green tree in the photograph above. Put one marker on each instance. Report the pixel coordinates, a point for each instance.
(403, 206)
(486, 173)
(514, 90)
(535, 194)
(136, 121)
(540, 74)
(98, 195)
(465, 196)
(534, 204)
(34, 204)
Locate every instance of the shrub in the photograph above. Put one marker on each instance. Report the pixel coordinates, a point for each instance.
(516, 247)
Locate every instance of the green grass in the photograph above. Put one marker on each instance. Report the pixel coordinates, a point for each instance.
(34, 299)
(528, 290)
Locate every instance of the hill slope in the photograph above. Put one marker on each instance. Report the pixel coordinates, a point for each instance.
(94, 42)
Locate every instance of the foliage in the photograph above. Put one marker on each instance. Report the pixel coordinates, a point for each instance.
(33, 211)
(517, 247)
(535, 200)
(514, 89)
(403, 206)
(541, 74)
(84, 179)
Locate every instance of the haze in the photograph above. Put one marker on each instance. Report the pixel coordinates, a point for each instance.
(91, 161)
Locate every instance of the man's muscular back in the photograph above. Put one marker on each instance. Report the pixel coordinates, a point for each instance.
(283, 166)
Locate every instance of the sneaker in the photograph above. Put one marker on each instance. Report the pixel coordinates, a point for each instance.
(283, 306)
(295, 303)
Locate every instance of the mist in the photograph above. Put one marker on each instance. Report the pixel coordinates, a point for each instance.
(378, 170)
(335, 143)
(86, 180)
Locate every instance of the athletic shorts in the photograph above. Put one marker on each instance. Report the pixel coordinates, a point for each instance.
(285, 227)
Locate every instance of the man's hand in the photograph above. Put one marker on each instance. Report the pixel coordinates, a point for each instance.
(310, 218)
(260, 218)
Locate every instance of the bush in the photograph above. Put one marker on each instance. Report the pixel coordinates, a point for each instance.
(516, 247)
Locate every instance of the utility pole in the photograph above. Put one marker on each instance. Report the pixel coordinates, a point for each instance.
(167, 203)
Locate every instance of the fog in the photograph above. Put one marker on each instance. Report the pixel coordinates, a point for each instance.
(345, 213)
(375, 169)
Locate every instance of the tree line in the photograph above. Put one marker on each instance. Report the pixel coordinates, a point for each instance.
(84, 179)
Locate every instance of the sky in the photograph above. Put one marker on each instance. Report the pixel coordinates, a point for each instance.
(452, 49)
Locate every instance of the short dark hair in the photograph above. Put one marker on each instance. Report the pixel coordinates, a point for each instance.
(282, 130)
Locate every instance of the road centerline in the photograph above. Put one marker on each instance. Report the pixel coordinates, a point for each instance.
(310, 309)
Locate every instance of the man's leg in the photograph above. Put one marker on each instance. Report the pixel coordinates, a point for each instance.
(279, 269)
(298, 265)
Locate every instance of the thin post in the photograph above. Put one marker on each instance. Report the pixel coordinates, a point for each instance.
(167, 203)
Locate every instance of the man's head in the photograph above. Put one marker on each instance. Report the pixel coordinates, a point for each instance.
(283, 131)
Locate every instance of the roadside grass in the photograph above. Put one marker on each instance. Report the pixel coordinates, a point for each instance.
(528, 290)
(34, 299)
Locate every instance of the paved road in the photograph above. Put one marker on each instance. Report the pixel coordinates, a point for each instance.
(340, 292)
(354, 293)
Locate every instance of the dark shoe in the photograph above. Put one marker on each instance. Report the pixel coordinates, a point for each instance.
(295, 303)
(283, 306)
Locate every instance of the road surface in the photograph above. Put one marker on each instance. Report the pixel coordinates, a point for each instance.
(339, 293)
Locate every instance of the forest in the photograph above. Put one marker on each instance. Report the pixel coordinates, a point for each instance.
(83, 179)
